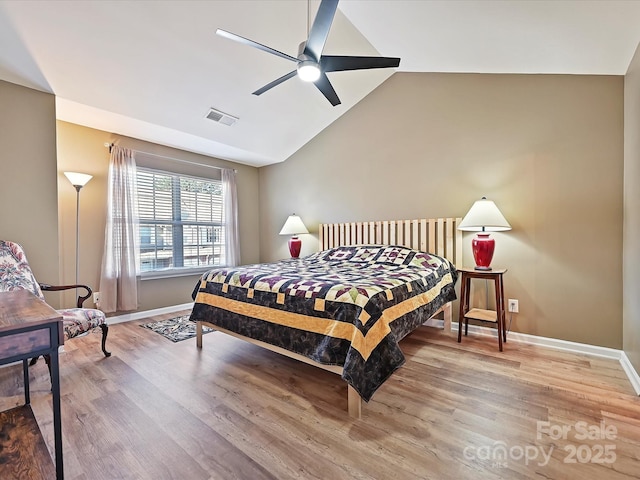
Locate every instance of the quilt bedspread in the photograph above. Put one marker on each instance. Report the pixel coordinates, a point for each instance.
(347, 306)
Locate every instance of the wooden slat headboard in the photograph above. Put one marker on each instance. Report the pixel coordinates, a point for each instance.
(434, 235)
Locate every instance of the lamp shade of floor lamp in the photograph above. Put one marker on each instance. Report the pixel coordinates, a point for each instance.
(483, 217)
(294, 226)
(78, 180)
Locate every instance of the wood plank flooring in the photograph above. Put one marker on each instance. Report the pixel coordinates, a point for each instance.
(159, 410)
(23, 453)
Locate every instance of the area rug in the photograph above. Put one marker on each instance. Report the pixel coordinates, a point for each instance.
(176, 329)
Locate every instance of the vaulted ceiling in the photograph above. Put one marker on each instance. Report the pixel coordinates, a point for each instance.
(153, 69)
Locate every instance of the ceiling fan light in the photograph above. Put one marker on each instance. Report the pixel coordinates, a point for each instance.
(308, 71)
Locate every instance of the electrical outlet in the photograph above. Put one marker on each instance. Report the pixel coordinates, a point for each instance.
(513, 305)
(96, 297)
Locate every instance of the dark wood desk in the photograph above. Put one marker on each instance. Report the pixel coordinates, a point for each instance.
(29, 328)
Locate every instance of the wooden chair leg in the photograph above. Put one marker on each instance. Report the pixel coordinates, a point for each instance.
(105, 331)
(47, 360)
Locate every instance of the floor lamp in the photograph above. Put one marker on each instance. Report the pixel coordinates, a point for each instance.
(78, 180)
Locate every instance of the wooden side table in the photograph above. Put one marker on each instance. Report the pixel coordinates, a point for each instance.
(30, 328)
(496, 316)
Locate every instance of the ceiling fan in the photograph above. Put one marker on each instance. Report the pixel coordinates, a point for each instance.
(312, 65)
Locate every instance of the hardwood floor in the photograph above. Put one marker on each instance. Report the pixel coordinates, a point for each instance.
(159, 410)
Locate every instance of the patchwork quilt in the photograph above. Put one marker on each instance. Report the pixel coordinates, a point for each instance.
(347, 306)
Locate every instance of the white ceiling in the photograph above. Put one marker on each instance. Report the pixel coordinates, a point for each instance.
(152, 69)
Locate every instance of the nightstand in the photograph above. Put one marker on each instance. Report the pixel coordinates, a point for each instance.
(496, 316)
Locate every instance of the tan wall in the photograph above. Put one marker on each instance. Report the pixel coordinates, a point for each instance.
(82, 149)
(547, 149)
(631, 259)
(28, 192)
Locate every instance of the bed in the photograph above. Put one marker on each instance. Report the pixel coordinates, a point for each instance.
(344, 308)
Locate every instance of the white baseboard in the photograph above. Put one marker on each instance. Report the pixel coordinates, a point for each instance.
(633, 376)
(128, 317)
(557, 344)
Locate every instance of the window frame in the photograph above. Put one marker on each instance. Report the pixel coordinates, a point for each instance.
(177, 225)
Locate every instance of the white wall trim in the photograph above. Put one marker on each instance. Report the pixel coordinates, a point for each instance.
(634, 378)
(557, 344)
(128, 317)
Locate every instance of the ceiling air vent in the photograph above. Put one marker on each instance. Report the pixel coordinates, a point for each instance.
(221, 117)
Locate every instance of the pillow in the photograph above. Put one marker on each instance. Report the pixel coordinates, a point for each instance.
(367, 253)
(395, 255)
(339, 254)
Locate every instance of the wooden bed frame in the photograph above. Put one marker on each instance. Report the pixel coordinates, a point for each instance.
(436, 235)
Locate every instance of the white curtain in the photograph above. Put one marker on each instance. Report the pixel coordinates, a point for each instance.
(118, 282)
(230, 201)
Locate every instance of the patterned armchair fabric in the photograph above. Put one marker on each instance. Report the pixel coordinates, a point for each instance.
(15, 274)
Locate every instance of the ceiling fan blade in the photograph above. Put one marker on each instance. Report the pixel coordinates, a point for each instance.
(337, 63)
(251, 43)
(324, 85)
(320, 29)
(275, 83)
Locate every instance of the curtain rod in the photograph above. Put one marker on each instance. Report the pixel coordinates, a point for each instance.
(110, 145)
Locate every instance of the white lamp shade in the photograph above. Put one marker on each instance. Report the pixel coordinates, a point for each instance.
(484, 216)
(293, 226)
(78, 179)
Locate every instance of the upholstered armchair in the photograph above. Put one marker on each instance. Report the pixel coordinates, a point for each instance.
(15, 274)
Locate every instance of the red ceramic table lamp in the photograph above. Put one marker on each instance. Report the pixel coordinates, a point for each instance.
(483, 217)
(294, 226)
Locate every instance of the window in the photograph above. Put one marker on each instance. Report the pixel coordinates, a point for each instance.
(181, 224)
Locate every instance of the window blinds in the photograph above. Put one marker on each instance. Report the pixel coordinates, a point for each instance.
(181, 220)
